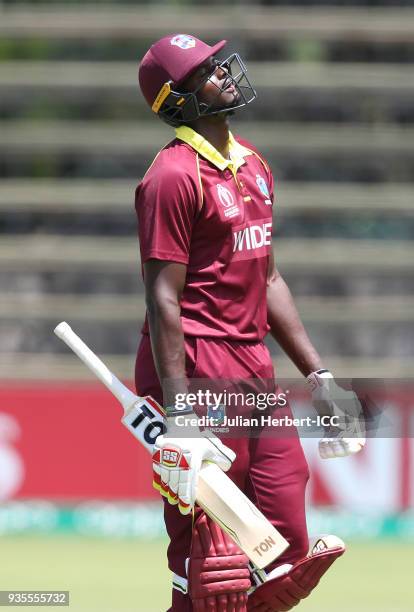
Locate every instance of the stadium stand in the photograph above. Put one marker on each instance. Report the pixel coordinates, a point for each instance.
(335, 117)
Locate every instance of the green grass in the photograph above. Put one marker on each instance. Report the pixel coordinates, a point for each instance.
(102, 575)
(130, 575)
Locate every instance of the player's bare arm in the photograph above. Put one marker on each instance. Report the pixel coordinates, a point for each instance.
(328, 398)
(286, 326)
(164, 283)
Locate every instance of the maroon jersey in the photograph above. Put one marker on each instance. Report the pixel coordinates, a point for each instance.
(215, 215)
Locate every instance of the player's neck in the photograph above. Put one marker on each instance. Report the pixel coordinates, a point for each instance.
(215, 129)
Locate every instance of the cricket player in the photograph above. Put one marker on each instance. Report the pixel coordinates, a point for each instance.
(213, 292)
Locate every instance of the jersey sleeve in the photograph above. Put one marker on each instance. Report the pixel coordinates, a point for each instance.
(166, 204)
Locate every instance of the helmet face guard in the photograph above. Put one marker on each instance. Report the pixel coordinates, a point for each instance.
(177, 108)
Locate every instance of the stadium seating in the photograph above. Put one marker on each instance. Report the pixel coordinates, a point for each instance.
(335, 118)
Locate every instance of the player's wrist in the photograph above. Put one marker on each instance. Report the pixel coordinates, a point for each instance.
(322, 373)
(174, 411)
(181, 421)
(174, 391)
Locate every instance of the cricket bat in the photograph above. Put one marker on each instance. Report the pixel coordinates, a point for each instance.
(217, 495)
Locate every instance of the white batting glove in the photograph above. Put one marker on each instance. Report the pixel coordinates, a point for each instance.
(176, 465)
(346, 434)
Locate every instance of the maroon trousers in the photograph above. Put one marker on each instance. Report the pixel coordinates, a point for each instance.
(270, 468)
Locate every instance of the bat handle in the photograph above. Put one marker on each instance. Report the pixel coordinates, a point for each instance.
(92, 361)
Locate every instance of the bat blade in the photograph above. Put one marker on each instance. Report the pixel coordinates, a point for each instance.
(223, 501)
(219, 497)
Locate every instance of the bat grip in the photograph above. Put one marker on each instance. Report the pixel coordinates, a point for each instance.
(92, 361)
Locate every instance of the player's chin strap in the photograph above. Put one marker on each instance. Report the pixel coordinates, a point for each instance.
(286, 585)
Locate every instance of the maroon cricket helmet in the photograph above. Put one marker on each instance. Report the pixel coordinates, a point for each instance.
(172, 58)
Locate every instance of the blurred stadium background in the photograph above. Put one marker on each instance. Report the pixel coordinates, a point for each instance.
(335, 117)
